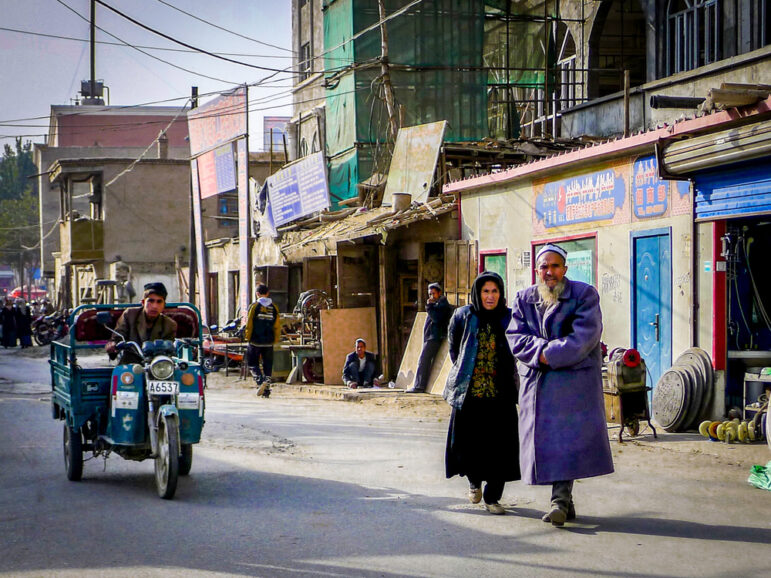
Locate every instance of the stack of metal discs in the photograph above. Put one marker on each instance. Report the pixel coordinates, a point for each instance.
(683, 394)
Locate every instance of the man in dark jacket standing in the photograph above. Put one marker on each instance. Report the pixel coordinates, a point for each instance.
(439, 312)
(263, 329)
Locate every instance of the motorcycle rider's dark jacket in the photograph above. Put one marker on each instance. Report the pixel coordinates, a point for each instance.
(134, 326)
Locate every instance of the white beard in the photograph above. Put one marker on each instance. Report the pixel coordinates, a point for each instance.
(548, 295)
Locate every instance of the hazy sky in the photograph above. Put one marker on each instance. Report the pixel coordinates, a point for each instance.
(39, 71)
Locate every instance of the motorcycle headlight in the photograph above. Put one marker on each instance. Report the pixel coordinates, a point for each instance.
(162, 368)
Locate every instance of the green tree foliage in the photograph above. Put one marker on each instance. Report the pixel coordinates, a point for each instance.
(16, 167)
(18, 203)
(19, 227)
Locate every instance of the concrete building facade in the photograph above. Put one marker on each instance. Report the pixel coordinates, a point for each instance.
(647, 227)
(98, 132)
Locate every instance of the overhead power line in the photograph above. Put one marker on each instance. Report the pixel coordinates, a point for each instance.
(225, 29)
(141, 156)
(147, 53)
(259, 82)
(163, 48)
(94, 109)
(186, 45)
(218, 113)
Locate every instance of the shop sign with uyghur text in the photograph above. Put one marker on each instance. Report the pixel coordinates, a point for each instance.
(618, 193)
(589, 197)
(298, 189)
(217, 122)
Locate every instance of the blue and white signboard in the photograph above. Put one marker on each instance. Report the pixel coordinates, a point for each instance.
(298, 190)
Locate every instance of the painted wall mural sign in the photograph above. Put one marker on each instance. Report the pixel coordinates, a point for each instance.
(653, 196)
(650, 193)
(591, 197)
(618, 193)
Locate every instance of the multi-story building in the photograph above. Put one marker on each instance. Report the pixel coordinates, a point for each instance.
(657, 91)
(114, 187)
(664, 214)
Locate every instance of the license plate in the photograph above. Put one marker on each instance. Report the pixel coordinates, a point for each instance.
(162, 387)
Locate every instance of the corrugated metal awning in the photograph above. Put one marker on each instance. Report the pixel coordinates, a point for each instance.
(717, 149)
(368, 223)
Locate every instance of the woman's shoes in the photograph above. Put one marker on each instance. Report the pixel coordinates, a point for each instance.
(495, 508)
(475, 495)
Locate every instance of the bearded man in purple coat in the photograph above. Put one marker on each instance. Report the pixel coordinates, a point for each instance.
(555, 336)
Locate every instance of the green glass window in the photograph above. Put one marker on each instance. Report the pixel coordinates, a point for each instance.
(582, 256)
(496, 263)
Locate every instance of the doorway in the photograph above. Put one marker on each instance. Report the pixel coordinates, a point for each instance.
(652, 300)
(213, 295)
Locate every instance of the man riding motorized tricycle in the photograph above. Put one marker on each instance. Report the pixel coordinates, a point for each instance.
(150, 405)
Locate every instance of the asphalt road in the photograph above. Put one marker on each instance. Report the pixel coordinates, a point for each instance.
(297, 486)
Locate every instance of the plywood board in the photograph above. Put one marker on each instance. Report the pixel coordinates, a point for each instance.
(409, 366)
(339, 330)
(441, 370)
(413, 161)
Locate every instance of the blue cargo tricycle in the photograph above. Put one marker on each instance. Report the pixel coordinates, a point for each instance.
(149, 410)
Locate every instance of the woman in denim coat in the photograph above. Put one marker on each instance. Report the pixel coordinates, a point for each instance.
(482, 441)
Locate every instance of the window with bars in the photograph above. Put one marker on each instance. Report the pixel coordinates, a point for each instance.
(227, 210)
(693, 34)
(304, 66)
(754, 23)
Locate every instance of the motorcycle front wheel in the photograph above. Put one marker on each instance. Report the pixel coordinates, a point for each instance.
(167, 461)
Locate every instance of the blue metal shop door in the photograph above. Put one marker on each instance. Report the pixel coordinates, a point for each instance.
(652, 300)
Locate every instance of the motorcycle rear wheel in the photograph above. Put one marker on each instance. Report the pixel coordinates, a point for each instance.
(167, 461)
(73, 454)
(43, 334)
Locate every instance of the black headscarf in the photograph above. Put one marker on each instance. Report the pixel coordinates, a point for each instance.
(476, 296)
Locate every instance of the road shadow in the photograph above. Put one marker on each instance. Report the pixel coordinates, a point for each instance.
(231, 518)
(325, 528)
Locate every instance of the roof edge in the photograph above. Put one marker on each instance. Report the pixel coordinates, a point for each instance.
(614, 147)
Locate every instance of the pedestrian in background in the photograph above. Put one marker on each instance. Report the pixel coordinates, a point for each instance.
(23, 323)
(263, 329)
(360, 367)
(8, 319)
(555, 335)
(438, 311)
(482, 441)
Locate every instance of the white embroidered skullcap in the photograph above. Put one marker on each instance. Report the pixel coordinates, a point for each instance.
(550, 248)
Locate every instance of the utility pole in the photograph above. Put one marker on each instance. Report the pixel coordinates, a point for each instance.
(92, 90)
(393, 119)
(192, 243)
(270, 161)
(21, 266)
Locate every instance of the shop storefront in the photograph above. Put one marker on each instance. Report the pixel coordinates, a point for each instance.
(626, 230)
(731, 174)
